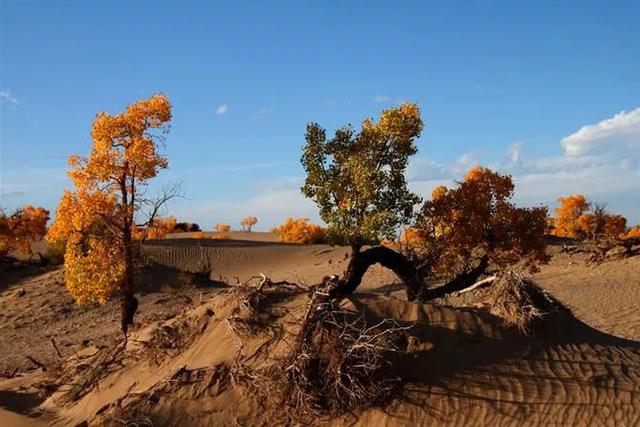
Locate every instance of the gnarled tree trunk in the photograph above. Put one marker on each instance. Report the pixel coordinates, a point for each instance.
(361, 261)
(406, 271)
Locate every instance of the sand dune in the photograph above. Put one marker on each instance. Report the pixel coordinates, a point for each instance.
(581, 366)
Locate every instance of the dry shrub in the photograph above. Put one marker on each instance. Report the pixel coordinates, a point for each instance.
(337, 364)
(519, 302)
(198, 235)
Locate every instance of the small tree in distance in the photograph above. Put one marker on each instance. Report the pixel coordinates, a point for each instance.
(570, 209)
(248, 222)
(98, 220)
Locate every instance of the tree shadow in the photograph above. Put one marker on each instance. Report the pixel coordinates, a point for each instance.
(565, 366)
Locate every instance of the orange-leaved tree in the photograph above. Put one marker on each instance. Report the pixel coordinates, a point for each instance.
(298, 230)
(97, 220)
(578, 218)
(461, 230)
(248, 222)
(157, 229)
(20, 229)
(567, 222)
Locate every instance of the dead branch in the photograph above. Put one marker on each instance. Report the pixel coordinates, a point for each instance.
(478, 284)
(37, 363)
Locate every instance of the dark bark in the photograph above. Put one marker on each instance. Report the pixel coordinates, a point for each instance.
(406, 271)
(459, 283)
(361, 261)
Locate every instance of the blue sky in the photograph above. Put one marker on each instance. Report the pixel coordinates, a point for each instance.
(547, 92)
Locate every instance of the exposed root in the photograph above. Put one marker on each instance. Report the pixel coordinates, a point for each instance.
(518, 301)
(251, 314)
(82, 375)
(337, 364)
(174, 336)
(138, 408)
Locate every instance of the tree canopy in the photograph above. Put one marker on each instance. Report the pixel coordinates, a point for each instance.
(357, 179)
(97, 220)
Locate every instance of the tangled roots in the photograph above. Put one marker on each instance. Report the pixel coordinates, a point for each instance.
(337, 364)
(518, 301)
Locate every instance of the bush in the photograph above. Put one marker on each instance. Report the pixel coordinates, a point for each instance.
(187, 227)
(223, 228)
(20, 229)
(198, 235)
(298, 230)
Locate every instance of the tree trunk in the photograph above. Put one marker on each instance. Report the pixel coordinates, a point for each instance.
(459, 283)
(361, 261)
(128, 303)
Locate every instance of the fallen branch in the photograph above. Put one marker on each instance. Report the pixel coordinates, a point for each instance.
(53, 342)
(37, 363)
(478, 284)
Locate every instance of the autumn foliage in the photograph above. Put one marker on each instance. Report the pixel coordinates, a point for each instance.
(20, 229)
(298, 230)
(578, 218)
(357, 179)
(98, 219)
(461, 226)
(567, 222)
(158, 229)
(248, 222)
(223, 228)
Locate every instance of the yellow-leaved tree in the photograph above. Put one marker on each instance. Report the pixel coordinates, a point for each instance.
(20, 229)
(98, 220)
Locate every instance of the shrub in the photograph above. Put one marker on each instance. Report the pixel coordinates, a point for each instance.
(187, 227)
(20, 229)
(158, 229)
(298, 230)
(198, 235)
(223, 228)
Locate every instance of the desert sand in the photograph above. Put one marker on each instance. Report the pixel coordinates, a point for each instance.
(465, 366)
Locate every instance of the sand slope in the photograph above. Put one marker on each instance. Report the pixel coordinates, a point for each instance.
(466, 368)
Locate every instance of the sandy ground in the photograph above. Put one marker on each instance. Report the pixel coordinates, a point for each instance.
(582, 369)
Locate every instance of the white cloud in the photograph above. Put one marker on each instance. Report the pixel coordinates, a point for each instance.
(463, 164)
(381, 98)
(620, 132)
(221, 110)
(514, 152)
(6, 96)
(261, 113)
